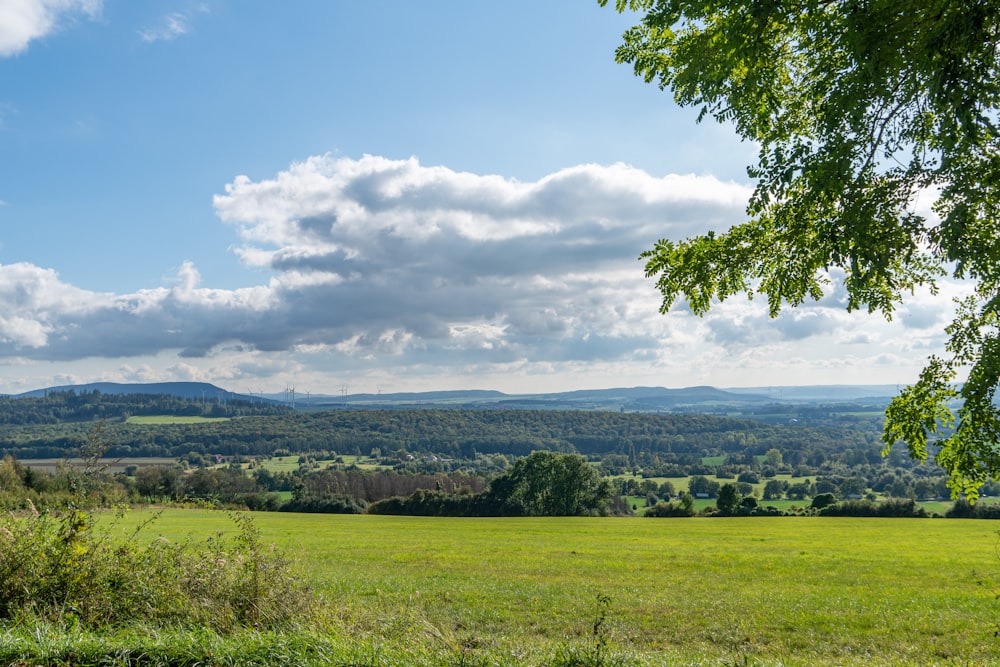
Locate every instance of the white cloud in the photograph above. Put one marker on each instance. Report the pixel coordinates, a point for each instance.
(393, 271)
(172, 25)
(22, 21)
(378, 257)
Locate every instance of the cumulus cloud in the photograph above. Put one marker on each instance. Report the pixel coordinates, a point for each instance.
(393, 269)
(375, 245)
(382, 258)
(24, 20)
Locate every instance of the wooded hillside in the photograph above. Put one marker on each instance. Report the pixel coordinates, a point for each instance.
(55, 425)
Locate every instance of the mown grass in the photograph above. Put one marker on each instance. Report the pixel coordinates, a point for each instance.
(756, 591)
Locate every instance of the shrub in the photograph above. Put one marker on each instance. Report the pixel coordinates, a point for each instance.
(325, 504)
(963, 509)
(258, 502)
(893, 507)
(433, 503)
(66, 569)
(669, 509)
(823, 500)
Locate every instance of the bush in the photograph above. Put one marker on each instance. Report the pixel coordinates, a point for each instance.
(433, 503)
(66, 570)
(963, 509)
(258, 502)
(823, 500)
(325, 504)
(670, 509)
(893, 507)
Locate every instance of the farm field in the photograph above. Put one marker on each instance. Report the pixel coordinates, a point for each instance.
(291, 463)
(112, 465)
(757, 591)
(159, 420)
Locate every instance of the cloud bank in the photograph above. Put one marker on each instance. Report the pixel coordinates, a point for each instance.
(378, 263)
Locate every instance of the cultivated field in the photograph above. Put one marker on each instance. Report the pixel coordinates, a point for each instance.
(739, 591)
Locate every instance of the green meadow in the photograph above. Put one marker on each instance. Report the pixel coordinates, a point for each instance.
(783, 591)
(291, 463)
(160, 420)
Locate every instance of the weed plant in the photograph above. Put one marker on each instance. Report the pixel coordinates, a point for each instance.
(65, 570)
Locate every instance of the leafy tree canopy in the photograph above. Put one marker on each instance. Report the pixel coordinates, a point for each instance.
(552, 484)
(856, 105)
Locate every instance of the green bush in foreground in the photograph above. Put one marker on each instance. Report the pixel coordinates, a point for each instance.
(62, 570)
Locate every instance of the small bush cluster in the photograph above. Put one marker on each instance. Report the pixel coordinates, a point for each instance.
(963, 509)
(325, 504)
(433, 503)
(669, 509)
(67, 570)
(893, 507)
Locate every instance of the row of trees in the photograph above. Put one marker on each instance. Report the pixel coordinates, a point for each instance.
(542, 484)
(656, 445)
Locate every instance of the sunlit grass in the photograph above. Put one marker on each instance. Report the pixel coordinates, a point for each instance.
(789, 591)
(159, 420)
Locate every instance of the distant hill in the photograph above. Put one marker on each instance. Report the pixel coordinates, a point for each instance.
(188, 390)
(700, 399)
(636, 399)
(822, 392)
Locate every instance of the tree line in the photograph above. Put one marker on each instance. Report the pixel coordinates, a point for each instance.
(69, 406)
(57, 425)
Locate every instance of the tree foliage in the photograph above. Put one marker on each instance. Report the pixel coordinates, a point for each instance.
(541, 484)
(856, 106)
(552, 484)
(729, 498)
(655, 440)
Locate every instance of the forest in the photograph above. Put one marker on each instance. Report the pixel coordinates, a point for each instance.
(59, 423)
(451, 452)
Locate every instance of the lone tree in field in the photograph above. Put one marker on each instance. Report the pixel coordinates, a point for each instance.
(729, 499)
(856, 105)
(551, 484)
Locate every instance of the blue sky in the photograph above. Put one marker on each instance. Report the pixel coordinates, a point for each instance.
(395, 195)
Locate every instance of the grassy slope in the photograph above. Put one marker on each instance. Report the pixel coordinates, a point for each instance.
(794, 591)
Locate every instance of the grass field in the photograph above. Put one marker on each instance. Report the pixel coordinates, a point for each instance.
(159, 420)
(291, 463)
(748, 591)
(112, 465)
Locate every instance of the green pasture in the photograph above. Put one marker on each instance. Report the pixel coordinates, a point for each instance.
(159, 420)
(280, 463)
(111, 465)
(291, 463)
(789, 591)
